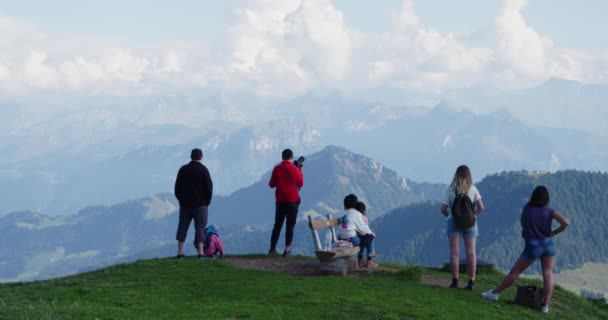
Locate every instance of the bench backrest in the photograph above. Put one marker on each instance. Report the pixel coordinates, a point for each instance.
(316, 225)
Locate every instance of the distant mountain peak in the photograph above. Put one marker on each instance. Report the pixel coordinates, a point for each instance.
(334, 149)
(503, 114)
(445, 105)
(283, 133)
(446, 109)
(560, 84)
(554, 80)
(362, 163)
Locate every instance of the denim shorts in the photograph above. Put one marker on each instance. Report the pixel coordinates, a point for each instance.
(452, 231)
(536, 248)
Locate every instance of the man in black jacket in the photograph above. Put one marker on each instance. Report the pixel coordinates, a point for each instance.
(193, 190)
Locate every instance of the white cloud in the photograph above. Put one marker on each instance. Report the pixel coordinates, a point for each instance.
(283, 48)
(4, 72)
(37, 72)
(416, 57)
(123, 65)
(45, 62)
(420, 58)
(519, 45)
(526, 56)
(286, 47)
(171, 62)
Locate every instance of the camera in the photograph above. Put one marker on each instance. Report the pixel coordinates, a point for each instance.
(299, 162)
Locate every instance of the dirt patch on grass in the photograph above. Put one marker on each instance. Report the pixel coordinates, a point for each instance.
(435, 280)
(293, 266)
(310, 268)
(298, 267)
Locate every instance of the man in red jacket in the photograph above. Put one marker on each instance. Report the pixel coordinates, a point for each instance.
(287, 178)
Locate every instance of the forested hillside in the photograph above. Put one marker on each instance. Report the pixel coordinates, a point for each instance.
(416, 234)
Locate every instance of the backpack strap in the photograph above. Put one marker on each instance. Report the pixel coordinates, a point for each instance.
(290, 178)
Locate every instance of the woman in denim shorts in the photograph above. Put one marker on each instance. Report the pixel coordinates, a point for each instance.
(536, 219)
(462, 183)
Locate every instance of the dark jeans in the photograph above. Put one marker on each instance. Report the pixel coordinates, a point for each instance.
(284, 210)
(364, 242)
(367, 243)
(199, 214)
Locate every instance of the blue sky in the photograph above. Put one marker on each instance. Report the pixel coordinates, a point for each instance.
(568, 23)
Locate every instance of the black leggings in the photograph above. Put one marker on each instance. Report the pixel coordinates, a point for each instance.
(284, 210)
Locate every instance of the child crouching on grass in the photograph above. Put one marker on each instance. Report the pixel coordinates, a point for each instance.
(213, 245)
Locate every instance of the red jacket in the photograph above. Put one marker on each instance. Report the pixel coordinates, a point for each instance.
(288, 180)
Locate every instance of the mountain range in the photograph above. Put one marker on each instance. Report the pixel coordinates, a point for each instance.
(404, 215)
(428, 144)
(329, 175)
(115, 150)
(61, 185)
(43, 246)
(555, 103)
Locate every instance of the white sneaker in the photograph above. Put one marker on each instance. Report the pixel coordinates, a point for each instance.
(490, 296)
(544, 309)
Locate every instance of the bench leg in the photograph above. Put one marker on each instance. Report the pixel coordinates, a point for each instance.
(340, 265)
(352, 262)
(337, 266)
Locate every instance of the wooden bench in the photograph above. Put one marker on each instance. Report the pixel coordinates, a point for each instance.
(339, 259)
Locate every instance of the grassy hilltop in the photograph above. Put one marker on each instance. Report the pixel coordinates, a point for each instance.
(215, 289)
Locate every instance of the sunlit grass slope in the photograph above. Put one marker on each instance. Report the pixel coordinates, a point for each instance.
(214, 289)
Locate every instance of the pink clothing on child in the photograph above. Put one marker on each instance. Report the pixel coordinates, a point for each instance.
(342, 244)
(214, 245)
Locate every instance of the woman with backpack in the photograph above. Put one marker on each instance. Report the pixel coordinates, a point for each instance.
(536, 219)
(464, 201)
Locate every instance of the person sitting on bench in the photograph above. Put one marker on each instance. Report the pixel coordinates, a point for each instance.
(354, 229)
(370, 241)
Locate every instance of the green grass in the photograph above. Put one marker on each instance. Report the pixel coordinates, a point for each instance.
(213, 289)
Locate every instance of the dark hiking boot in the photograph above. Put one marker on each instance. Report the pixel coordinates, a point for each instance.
(470, 285)
(273, 251)
(287, 253)
(179, 256)
(454, 284)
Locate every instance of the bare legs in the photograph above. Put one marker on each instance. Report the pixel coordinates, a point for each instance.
(469, 245)
(180, 248)
(455, 256)
(547, 266)
(518, 268)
